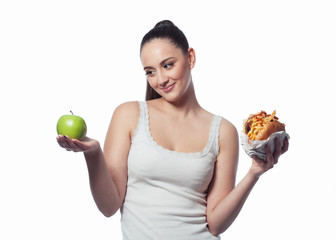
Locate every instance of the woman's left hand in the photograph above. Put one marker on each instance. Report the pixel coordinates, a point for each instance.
(260, 166)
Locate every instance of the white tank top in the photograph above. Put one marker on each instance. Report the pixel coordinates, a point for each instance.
(166, 190)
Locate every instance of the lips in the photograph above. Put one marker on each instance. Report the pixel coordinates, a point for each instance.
(168, 88)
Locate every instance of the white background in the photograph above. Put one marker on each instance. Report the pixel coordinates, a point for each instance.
(83, 56)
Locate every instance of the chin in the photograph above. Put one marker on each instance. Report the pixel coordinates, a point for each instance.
(172, 98)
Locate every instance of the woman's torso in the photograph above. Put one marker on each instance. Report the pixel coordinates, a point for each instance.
(166, 189)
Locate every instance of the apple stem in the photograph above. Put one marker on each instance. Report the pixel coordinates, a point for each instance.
(71, 112)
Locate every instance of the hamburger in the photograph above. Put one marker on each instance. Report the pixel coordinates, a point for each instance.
(261, 125)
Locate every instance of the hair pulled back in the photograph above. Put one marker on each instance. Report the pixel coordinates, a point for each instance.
(164, 30)
(167, 30)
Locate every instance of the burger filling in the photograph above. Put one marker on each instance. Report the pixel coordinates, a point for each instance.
(255, 123)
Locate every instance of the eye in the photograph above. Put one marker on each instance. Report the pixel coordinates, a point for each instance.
(149, 72)
(168, 65)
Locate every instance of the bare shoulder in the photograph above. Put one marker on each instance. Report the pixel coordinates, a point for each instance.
(128, 109)
(227, 129)
(125, 118)
(128, 112)
(228, 136)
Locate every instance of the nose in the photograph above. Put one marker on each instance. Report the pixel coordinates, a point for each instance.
(162, 79)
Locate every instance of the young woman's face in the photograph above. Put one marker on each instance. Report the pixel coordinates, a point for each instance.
(167, 68)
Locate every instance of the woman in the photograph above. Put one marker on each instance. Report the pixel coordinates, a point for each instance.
(168, 164)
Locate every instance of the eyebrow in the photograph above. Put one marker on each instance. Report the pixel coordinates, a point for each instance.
(161, 63)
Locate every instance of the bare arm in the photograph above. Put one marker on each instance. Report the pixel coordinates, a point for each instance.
(225, 200)
(108, 169)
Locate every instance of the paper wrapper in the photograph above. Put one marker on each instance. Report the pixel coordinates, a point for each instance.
(257, 147)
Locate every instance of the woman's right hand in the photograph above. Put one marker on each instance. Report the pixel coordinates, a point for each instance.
(86, 145)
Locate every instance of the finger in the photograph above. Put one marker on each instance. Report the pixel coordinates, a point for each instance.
(71, 144)
(66, 142)
(62, 142)
(80, 145)
(59, 140)
(268, 152)
(285, 146)
(277, 150)
(270, 158)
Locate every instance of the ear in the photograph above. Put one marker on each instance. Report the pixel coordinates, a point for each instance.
(191, 57)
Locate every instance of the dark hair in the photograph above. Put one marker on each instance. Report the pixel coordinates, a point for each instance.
(164, 30)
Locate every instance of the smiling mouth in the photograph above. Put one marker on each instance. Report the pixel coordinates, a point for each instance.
(169, 88)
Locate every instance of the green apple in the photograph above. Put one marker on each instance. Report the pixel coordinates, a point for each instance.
(72, 126)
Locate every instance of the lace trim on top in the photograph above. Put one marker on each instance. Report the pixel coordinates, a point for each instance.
(213, 134)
